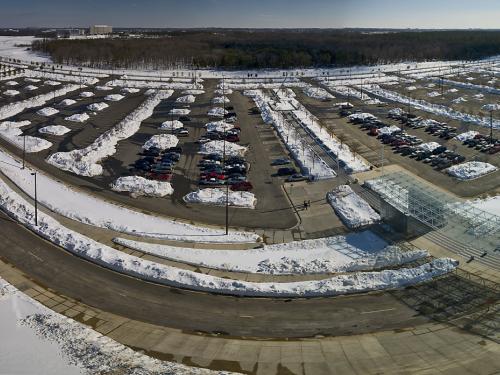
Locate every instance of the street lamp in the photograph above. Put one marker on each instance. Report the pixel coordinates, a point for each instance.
(36, 200)
(24, 150)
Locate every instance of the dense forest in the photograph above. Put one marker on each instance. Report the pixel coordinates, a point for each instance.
(237, 49)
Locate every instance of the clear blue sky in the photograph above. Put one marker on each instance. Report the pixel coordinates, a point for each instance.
(253, 13)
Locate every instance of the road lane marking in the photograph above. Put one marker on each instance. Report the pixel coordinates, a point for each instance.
(377, 311)
(35, 256)
(246, 316)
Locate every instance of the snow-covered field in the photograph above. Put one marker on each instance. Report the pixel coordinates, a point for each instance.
(354, 211)
(38, 340)
(9, 47)
(87, 209)
(139, 186)
(76, 243)
(362, 251)
(217, 197)
(85, 162)
(317, 93)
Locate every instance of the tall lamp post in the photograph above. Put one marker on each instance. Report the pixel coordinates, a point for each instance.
(36, 200)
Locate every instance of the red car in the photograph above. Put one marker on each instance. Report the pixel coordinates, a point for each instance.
(232, 138)
(218, 176)
(242, 186)
(161, 176)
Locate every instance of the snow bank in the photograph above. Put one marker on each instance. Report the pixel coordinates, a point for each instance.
(56, 344)
(179, 111)
(11, 132)
(129, 90)
(90, 210)
(186, 99)
(103, 88)
(66, 102)
(459, 100)
(114, 97)
(218, 126)
(433, 94)
(471, 170)
(171, 125)
(158, 85)
(52, 83)
(217, 197)
(85, 161)
(11, 83)
(223, 92)
(78, 117)
(47, 112)
(317, 93)
(217, 147)
(97, 107)
(389, 129)
(83, 79)
(118, 261)
(354, 211)
(193, 92)
(31, 88)
(11, 93)
(161, 141)
(352, 253)
(220, 100)
(430, 146)
(13, 109)
(54, 130)
(139, 186)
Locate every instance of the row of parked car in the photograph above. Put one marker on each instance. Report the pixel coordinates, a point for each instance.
(157, 164)
(484, 144)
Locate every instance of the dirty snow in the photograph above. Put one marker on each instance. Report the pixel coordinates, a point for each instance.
(97, 107)
(217, 197)
(78, 117)
(54, 130)
(139, 186)
(217, 147)
(47, 112)
(471, 170)
(161, 141)
(171, 125)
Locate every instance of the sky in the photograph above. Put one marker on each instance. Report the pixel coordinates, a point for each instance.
(437, 14)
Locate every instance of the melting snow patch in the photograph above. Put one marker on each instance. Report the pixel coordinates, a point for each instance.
(220, 100)
(139, 186)
(179, 111)
(193, 92)
(54, 130)
(66, 102)
(351, 208)
(114, 97)
(318, 93)
(31, 88)
(433, 94)
(52, 83)
(471, 170)
(459, 100)
(217, 197)
(11, 92)
(186, 99)
(11, 83)
(217, 112)
(87, 94)
(104, 88)
(129, 90)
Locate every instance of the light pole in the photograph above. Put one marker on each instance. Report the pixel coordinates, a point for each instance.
(36, 200)
(491, 126)
(24, 150)
(224, 150)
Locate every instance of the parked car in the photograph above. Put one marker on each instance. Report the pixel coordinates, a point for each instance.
(280, 161)
(184, 118)
(242, 186)
(297, 177)
(182, 132)
(286, 171)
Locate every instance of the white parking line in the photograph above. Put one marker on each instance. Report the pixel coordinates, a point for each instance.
(377, 311)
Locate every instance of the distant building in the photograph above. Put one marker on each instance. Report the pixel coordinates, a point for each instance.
(100, 29)
(70, 33)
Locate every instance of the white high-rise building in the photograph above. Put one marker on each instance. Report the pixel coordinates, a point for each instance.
(100, 29)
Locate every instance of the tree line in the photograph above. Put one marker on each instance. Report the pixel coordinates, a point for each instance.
(247, 49)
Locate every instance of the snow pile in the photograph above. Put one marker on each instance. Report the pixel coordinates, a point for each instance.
(157, 85)
(87, 94)
(66, 103)
(389, 129)
(161, 141)
(471, 86)
(77, 78)
(11, 83)
(90, 210)
(362, 251)
(218, 126)
(32, 80)
(459, 100)
(193, 92)
(466, 136)
(471, 170)
(52, 83)
(56, 344)
(139, 186)
(11, 92)
(97, 107)
(179, 111)
(452, 91)
(54, 130)
(217, 112)
(11, 132)
(103, 88)
(491, 107)
(31, 88)
(85, 161)
(128, 90)
(171, 125)
(47, 112)
(220, 100)
(351, 208)
(217, 197)
(479, 96)
(317, 93)
(217, 147)
(430, 146)
(186, 99)
(304, 155)
(411, 88)
(13, 109)
(433, 94)
(361, 117)
(223, 92)
(118, 261)
(114, 97)
(78, 117)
